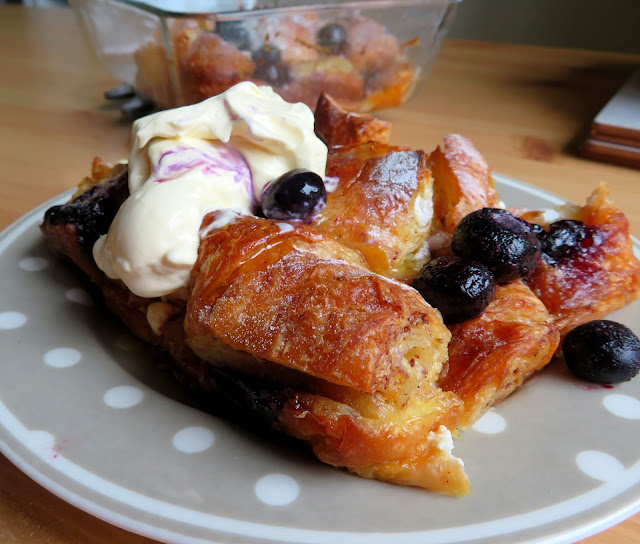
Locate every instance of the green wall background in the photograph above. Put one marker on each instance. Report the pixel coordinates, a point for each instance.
(607, 25)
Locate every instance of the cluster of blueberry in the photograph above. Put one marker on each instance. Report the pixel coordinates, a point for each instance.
(91, 214)
(492, 246)
(331, 39)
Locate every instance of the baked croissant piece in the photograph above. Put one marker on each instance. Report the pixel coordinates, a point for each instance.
(359, 352)
(599, 276)
(305, 328)
(383, 203)
(462, 184)
(493, 354)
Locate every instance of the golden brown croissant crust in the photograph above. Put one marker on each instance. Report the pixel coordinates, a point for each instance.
(300, 299)
(382, 205)
(494, 353)
(462, 184)
(337, 126)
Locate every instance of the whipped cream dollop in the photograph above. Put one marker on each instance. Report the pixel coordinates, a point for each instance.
(187, 162)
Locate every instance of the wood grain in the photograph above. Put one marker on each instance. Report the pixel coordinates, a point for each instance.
(524, 107)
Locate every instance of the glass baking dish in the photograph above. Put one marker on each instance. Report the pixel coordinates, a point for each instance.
(366, 54)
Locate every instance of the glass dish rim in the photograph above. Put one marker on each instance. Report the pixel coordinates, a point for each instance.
(302, 8)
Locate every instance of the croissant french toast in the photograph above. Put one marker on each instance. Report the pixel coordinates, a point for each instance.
(356, 381)
(308, 327)
(342, 357)
(298, 298)
(494, 353)
(361, 351)
(368, 69)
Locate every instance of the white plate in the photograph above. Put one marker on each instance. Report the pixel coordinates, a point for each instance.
(85, 414)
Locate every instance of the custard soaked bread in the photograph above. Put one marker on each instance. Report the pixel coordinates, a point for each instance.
(303, 326)
(297, 327)
(494, 353)
(360, 351)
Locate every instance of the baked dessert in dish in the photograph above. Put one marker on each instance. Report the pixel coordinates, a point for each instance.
(310, 327)
(300, 56)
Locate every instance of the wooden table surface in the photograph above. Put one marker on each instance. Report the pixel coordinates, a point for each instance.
(524, 107)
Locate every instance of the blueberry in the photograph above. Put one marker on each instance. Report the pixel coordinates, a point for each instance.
(234, 32)
(269, 66)
(460, 289)
(298, 194)
(89, 216)
(332, 38)
(602, 352)
(563, 239)
(267, 54)
(505, 244)
(274, 74)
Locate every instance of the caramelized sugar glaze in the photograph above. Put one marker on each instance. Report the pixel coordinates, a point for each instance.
(602, 276)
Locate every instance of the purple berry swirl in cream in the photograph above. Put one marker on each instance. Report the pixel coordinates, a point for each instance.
(185, 163)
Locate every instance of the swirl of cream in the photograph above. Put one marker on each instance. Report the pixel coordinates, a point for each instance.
(187, 162)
